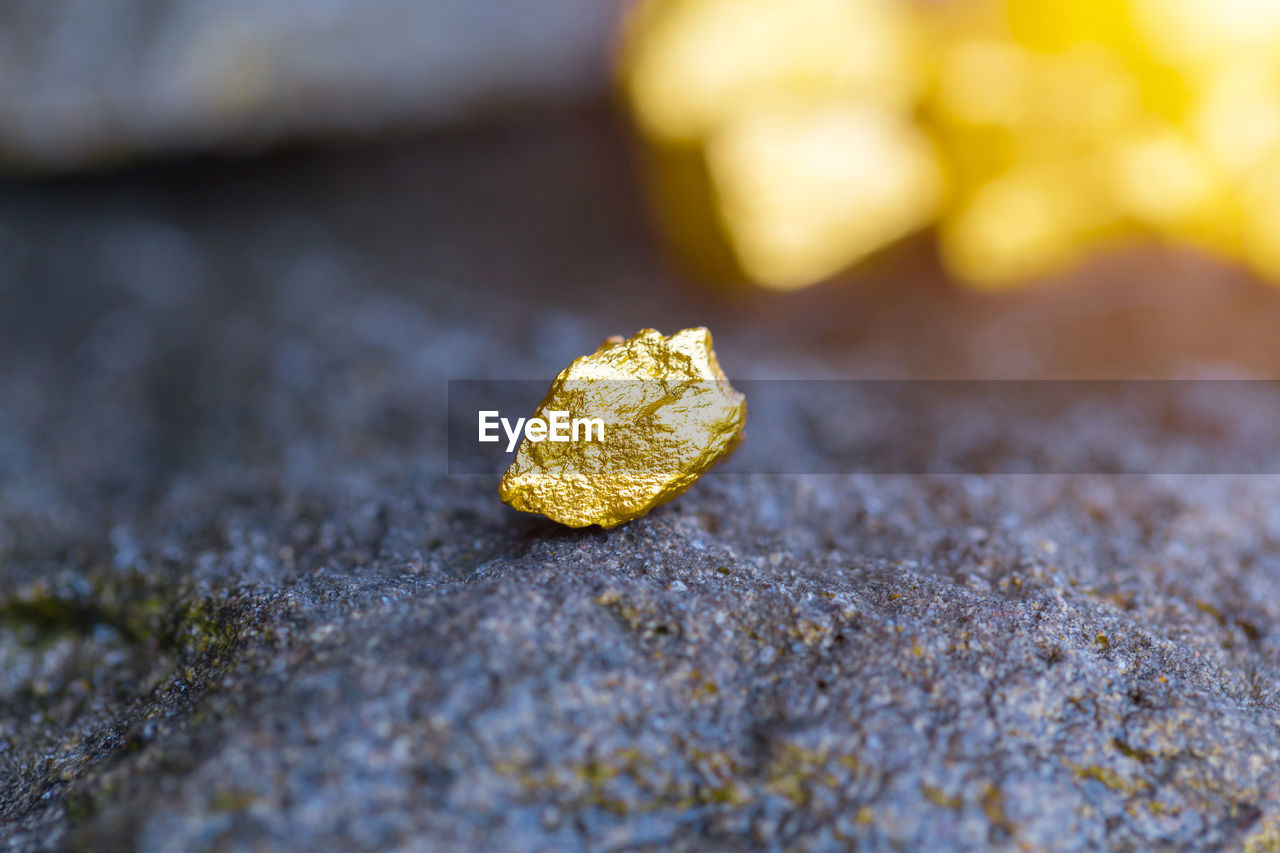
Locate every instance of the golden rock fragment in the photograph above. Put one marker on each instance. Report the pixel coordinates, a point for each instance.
(668, 414)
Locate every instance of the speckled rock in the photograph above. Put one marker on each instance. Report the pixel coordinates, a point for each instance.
(242, 605)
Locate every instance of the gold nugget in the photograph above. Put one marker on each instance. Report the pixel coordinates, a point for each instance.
(669, 414)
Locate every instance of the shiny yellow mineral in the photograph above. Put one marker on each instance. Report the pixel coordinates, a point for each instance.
(667, 414)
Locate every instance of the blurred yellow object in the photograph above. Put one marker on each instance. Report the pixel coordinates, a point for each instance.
(693, 66)
(1200, 34)
(1033, 133)
(1026, 221)
(1261, 218)
(805, 192)
(801, 114)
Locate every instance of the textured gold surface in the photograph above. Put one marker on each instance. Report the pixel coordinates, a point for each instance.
(669, 415)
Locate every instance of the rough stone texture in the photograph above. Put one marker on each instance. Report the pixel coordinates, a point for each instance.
(240, 605)
(85, 82)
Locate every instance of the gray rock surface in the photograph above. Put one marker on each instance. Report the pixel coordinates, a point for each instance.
(242, 606)
(84, 82)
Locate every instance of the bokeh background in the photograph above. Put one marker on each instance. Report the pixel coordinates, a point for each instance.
(1030, 135)
(244, 247)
